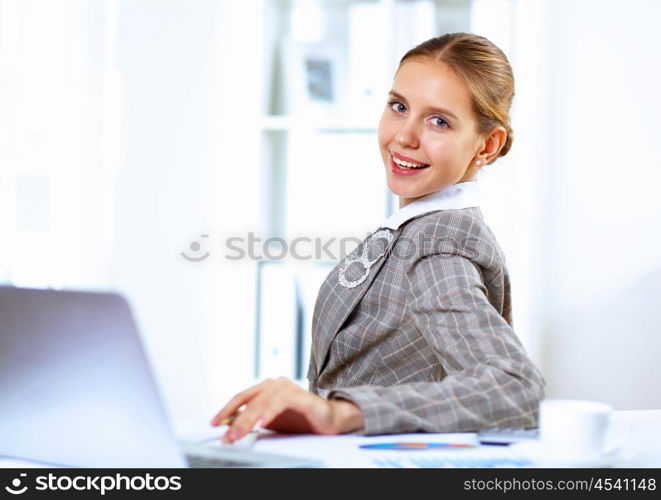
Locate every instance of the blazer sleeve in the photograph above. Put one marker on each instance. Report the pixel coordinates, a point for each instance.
(490, 381)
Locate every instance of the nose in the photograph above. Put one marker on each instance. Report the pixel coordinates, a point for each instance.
(407, 135)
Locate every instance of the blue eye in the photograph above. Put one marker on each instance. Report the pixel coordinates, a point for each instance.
(439, 122)
(397, 106)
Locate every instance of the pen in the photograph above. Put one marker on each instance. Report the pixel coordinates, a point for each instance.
(250, 437)
(416, 446)
(229, 420)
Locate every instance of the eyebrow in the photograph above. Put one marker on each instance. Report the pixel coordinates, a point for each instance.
(431, 108)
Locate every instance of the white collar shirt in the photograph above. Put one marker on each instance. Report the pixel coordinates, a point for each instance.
(457, 196)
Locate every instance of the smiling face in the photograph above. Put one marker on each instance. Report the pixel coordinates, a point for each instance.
(428, 123)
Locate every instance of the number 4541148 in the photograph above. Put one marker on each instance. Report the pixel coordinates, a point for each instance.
(608, 484)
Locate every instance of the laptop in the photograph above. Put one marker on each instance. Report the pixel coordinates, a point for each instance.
(76, 389)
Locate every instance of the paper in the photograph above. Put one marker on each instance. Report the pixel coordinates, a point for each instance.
(348, 451)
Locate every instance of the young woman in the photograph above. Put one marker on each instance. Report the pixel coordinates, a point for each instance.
(412, 331)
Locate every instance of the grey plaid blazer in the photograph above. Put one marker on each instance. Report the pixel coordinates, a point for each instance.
(414, 327)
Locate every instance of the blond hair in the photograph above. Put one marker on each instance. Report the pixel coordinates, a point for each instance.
(484, 69)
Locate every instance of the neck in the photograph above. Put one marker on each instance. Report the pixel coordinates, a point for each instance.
(405, 201)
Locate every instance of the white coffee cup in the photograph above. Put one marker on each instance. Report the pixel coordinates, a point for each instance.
(574, 429)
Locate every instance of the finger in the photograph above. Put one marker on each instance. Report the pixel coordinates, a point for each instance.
(280, 398)
(242, 431)
(253, 417)
(235, 403)
(271, 401)
(232, 417)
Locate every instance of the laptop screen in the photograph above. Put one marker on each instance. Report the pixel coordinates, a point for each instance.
(75, 385)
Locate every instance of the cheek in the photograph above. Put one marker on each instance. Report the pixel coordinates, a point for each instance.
(445, 150)
(440, 150)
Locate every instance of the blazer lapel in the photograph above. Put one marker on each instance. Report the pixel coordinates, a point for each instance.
(343, 289)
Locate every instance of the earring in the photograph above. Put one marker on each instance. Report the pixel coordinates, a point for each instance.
(478, 163)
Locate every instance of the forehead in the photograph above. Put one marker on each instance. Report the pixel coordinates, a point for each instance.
(428, 82)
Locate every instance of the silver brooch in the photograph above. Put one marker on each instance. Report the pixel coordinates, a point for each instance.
(369, 250)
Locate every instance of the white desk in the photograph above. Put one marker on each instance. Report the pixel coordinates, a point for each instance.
(642, 444)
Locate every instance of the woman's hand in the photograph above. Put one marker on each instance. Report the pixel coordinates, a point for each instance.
(281, 405)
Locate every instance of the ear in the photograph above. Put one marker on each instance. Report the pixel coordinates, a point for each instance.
(491, 144)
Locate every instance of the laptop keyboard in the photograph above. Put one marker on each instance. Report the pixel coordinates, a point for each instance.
(204, 462)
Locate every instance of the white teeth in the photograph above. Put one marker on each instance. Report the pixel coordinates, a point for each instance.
(407, 164)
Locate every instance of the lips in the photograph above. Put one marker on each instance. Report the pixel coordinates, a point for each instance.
(405, 161)
(405, 172)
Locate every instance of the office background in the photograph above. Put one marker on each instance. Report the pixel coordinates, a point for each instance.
(136, 133)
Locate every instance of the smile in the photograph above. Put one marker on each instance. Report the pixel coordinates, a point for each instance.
(407, 164)
(401, 168)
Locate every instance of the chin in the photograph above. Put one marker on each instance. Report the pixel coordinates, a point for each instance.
(402, 191)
